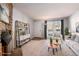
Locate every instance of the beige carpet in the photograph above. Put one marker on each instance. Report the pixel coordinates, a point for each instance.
(40, 48)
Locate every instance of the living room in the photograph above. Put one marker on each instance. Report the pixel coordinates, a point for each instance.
(30, 26)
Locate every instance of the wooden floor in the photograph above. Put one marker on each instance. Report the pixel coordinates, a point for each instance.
(40, 48)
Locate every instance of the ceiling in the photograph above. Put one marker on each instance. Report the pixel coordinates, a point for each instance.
(46, 11)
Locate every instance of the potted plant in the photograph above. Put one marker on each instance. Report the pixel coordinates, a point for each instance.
(66, 31)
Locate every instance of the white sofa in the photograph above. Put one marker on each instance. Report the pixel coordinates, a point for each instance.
(73, 44)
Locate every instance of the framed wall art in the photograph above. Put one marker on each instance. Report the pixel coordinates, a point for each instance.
(4, 13)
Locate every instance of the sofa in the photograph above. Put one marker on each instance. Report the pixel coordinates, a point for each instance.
(73, 43)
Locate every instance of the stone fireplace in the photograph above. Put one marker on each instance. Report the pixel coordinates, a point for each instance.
(3, 26)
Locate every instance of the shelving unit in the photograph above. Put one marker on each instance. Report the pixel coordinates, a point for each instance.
(22, 33)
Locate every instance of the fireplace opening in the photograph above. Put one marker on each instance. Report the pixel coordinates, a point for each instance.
(5, 39)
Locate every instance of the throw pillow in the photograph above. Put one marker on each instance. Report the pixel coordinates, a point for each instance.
(73, 37)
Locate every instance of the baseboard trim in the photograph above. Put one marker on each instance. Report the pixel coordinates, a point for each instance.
(37, 38)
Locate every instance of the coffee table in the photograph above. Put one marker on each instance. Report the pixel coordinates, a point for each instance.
(54, 47)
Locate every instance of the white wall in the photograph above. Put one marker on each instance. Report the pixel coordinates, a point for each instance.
(39, 28)
(66, 23)
(73, 20)
(17, 15)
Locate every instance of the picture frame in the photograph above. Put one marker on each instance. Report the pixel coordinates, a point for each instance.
(4, 13)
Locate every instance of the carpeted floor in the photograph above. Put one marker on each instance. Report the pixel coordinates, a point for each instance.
(40, 48)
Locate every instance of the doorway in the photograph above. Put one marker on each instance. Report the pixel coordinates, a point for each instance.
(45, 29)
